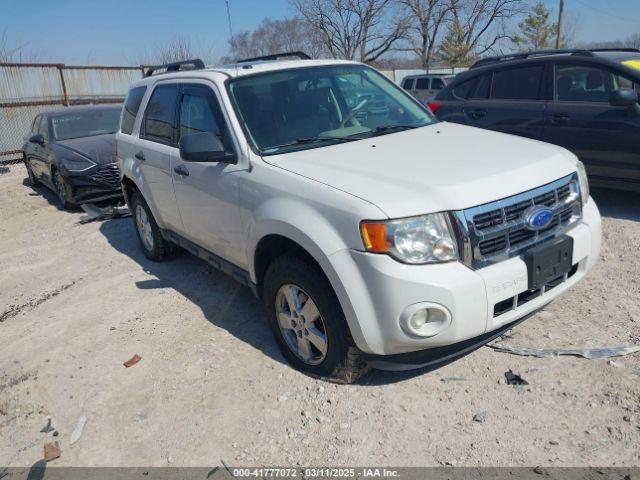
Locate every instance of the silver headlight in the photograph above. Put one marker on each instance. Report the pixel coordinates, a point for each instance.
(415, 240)
(584, 182)
(77, 164)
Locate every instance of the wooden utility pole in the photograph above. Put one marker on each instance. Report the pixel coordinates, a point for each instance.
(559, 32)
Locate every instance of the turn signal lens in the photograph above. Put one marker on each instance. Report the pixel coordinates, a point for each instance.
(374, 237)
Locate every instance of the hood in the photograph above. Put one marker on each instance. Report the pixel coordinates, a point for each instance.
(99, 148)
(444, 166)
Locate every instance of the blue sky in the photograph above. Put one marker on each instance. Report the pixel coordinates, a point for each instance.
(128, 31)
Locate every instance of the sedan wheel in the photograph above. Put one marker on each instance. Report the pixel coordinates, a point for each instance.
(63, 190)
(301, 324)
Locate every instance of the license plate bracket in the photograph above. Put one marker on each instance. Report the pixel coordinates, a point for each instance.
(549, 261)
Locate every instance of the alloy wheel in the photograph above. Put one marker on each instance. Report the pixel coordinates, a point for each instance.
(301, 324)
(144, 227)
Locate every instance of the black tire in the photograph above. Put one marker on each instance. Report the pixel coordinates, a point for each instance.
(32, 178)
(161, 249)
(342, 362)
(64, 191)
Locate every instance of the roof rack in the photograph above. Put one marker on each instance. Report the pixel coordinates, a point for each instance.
(536, 53)
(540, 53)
(277, 56)
(194, 64)
(612, 49)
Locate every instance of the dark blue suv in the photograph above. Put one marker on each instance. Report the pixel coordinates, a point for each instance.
(584, 100)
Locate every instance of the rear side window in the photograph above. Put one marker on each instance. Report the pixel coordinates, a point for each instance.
(517, 83)
(422, 84)
(130, 110)
(483, 88)
(465, 89)
(160, 116)
(437, 84)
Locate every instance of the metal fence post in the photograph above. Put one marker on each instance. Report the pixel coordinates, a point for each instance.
(65, 97)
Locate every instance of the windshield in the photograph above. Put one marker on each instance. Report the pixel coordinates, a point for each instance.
(305, 108)
(85, 124)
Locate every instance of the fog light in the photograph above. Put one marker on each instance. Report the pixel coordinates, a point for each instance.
(418, 319)
(425, 319)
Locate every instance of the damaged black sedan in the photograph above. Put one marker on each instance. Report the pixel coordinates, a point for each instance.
(72, 151)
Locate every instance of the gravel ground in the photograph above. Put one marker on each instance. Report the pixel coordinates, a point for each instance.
(76, 301)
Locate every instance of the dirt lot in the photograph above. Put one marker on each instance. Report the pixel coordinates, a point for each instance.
(76, 301)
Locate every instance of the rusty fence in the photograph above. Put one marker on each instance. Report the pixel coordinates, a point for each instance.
(27, 89)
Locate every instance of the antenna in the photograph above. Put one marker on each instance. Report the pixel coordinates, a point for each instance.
(233, 48)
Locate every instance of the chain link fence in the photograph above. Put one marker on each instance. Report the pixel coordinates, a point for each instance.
(27, 89)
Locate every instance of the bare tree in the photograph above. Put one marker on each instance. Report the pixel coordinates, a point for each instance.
(354, 29)
(426, 19)
(633, 41)
(15, 54)
(276, 36)
(176, 50)
(479, 25)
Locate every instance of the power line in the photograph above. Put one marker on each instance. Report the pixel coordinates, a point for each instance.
(604, 12)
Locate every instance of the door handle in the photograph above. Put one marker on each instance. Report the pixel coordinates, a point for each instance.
(140, 156)
(181, 170)
(477, 113)
(560, 118)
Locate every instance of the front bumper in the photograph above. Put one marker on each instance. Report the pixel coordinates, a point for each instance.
(101, 182)
(374, 290)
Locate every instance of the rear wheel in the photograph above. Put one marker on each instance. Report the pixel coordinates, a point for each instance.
(154, 246)
(64, 191)
(308, 323)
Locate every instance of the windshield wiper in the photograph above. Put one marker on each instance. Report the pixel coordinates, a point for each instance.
(389, 128)
(303, 140)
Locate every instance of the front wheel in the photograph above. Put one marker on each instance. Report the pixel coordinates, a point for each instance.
(154, 246)
(64, 191)
(308, 323)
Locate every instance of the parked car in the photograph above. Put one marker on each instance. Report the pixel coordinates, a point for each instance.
(73, 152)
(426, 86)
(393, 244)
(583, 100)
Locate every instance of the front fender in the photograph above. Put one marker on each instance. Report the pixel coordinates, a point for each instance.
(311, 230)
(297, 222)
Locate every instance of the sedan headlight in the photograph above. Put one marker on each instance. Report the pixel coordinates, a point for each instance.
(77, 164)
(584, 182)
(415, 240)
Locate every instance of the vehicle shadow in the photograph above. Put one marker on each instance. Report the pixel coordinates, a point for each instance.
(617, 203)
(223, 301)
(46, 193)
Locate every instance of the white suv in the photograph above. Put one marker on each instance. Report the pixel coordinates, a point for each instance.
(375, 236)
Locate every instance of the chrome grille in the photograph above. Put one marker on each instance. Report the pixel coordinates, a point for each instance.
(496, 231)
(108, 175)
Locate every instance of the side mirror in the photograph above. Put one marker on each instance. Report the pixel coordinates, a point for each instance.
(37, 138)
(623, 97)
(204, 147)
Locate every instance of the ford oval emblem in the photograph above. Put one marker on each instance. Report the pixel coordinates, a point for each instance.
(538, 218)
